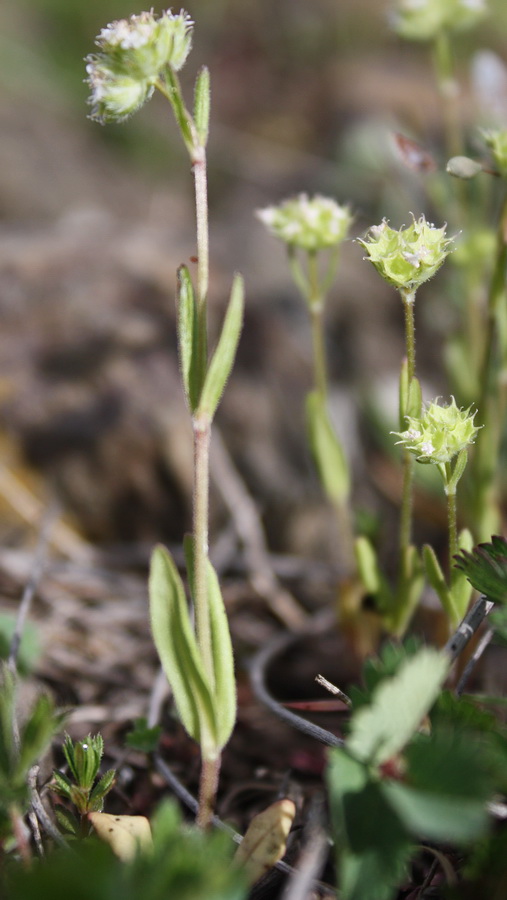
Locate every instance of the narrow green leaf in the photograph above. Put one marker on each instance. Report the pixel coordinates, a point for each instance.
(100, 790)
(437, 581)
(222, 361)
(223, 660)
(61, 784)
(367, 565)
(327, 451)
(410, 396)
(223, 657)
(187, 338)
(177, 648)
(408, 590)
(379, 731)
(458, 469)
(414, 398)
(202, 105)
(181, 114)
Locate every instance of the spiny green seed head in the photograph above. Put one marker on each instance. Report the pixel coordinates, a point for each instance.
(309, 223)
(440, 434)
(497, 143)
(408, 257)
(133, 54)
(421, 20)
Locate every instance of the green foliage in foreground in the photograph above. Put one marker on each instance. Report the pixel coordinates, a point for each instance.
(397, 782)
(185, 863)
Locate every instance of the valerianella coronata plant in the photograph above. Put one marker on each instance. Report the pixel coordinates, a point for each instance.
(408, 257)
(133, 54)
(440, 433)
(421, 20)
(311, 223)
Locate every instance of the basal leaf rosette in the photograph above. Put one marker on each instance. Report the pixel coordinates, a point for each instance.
(133, 54)
(408, 257)
(440, 434)
(311, 223)
(421, 20)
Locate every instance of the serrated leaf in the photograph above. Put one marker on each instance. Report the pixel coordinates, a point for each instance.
(372, 845)
(437, 817)
(142, 737)
(377, 668)
(265, 840)
(100, 790)
(126, 835)
(61, 784)
(327, 451)
(221, 648)
(202, 105)
(222, 360)
(187, 338)
(67, 821)
(38, 731)
(379, 731)
(177, 648)
(486, 568)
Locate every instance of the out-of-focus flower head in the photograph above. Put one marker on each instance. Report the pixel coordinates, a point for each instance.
(420, 20)
(311, 223)
(133, 54)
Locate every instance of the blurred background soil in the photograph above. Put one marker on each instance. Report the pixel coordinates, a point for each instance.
(94, 222)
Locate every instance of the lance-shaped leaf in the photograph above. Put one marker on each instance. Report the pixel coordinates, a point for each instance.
(327, 450)
(410, 396)
(202, 105)
(187, 338)
(222, 361)
(224, 689)
(181, 113)
(177, 648)
(437, 581)
(381, 730)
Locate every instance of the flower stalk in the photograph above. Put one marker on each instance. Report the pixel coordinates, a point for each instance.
(137, 56)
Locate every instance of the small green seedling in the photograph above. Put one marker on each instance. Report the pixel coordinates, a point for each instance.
(82, 786)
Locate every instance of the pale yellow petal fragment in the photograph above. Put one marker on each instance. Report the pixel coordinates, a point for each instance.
(264, 842)
(124, 834)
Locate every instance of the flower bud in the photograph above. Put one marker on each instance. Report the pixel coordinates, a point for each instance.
(440, 434)
(497, 143)
(420, 20)
(309, 223)
(408, 257)
(133, 54)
